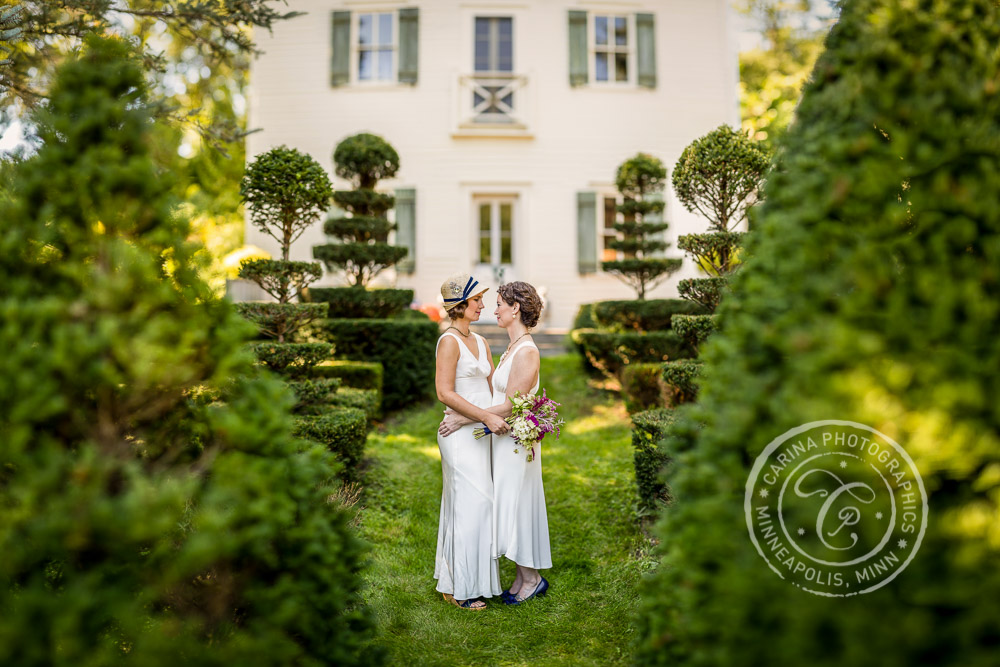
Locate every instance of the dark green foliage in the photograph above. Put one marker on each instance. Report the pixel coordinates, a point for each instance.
(705, 291)
(610, 352)
(651, 315)
(358, 374)
(362, 252)
(695, 329)
(584, 318)
(368, 401)
(294, 360)
(719, 175)
(648, 431)
(281, 318)
(312, 393)
(279, 278)
(286, 192)
(365, 159)
(342, 431)
(869, 295)
(154, 507)
(643, 388)
(404, 348)
(640, 179)
(682, 376)
(361, 260)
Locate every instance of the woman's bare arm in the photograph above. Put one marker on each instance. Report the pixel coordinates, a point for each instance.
(444, 384)
(523, 376)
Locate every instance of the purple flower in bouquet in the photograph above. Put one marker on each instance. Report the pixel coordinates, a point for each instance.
(532, 418)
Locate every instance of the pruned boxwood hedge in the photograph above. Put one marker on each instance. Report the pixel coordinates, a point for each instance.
(405, 348)
(695, 329)
(651, 315)
(682, 376)
(294, 360)
(367, 400)
(312, 392)
(643, 387)
(649, 429)
(359, 303)
(357, 374)
(343, 431)
(609, 352)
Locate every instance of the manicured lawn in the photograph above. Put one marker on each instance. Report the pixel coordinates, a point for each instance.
(598, 552)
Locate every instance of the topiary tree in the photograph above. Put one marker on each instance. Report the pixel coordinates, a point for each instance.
(364, 159)
(154, 508)
(639, 180)
(718, 176)
(870, 295)
(287, 191)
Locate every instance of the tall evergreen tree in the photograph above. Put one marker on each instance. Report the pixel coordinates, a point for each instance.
(154, 508)
(869, 294)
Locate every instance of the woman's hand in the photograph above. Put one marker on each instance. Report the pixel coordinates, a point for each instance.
(452, 422)
(496, 424)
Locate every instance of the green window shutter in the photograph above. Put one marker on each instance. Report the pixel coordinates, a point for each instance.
(586, 231)
(408, 35)
(340, 70)
(406, 228)
(577, 48)
(656, 217)
(645, 37)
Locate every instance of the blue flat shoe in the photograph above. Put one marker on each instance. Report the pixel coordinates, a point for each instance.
(541, 589)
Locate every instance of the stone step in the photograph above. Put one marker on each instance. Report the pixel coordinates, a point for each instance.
(550, 342)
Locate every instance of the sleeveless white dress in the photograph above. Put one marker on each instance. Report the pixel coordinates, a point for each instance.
(464, 566)
(520, 523)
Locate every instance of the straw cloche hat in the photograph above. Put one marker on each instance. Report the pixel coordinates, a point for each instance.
(460, 287)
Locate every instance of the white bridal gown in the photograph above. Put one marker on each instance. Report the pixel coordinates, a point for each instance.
(464, 566)
(520, 524)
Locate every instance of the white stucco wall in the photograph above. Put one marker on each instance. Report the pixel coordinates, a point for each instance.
(575, 140)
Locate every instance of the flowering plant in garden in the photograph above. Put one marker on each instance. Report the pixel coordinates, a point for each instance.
(532, 418)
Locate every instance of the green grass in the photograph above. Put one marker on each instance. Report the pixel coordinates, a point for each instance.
(598, 552)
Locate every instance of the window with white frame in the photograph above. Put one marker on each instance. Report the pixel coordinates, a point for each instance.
(496, 230)
(610, 46)
(376, 47)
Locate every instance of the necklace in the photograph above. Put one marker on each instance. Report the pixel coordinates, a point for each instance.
(460, 331)
(504, 355)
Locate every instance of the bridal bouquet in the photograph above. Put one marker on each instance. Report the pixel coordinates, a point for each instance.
(531, 419)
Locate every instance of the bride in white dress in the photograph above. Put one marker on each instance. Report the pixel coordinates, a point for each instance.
(465, 567)
(520, 522)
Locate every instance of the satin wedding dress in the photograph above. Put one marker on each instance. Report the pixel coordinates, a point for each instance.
(464, 566)
(520, 523)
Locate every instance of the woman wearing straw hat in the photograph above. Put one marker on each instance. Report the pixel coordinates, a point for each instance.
(520, 520)
(464, 567)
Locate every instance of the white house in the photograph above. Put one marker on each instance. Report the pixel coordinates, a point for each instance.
(510, 118)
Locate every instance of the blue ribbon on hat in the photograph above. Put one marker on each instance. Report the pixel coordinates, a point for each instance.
(469, 286)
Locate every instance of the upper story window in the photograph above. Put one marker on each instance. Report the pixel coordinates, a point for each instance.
(494, 44)
(376, 47)
(610, 47)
